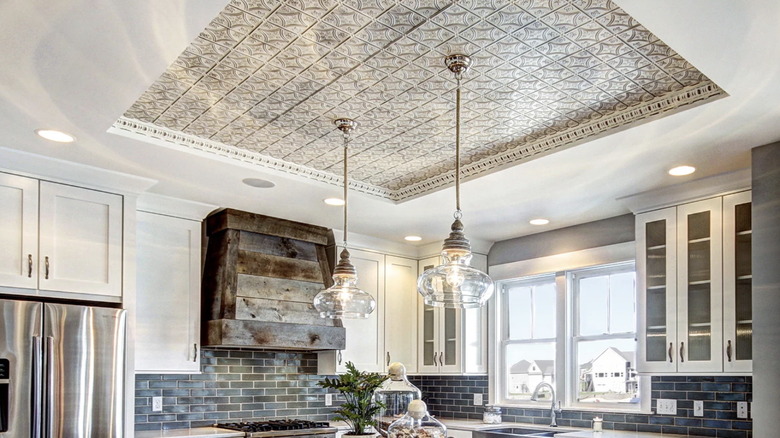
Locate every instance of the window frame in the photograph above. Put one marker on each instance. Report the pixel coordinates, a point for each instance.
(559, 266)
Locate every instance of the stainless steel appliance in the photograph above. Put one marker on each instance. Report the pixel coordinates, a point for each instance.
(61, 370)
(283, 428)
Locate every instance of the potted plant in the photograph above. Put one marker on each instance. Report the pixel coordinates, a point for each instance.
(359, 408)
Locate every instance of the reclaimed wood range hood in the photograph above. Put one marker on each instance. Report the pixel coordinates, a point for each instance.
(260, 277)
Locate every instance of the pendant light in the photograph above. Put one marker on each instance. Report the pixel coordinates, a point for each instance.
(455, 284)
(344, 299)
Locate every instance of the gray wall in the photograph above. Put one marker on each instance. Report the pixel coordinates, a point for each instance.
(605, 232)
(766, 288)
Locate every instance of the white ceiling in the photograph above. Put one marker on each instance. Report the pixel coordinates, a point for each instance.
(78, 65)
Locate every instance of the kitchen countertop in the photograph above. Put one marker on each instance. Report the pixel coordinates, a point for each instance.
(565, 432)
(210, 432)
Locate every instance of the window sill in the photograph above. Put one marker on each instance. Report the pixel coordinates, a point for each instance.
(588, 408)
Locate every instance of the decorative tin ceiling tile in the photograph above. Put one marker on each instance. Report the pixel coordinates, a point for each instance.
(263, 82)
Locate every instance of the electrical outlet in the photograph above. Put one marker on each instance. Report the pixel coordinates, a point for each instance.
(156, 404)
(328, 399)
(742, 409)
(698, 408)
(666, 406)
(477, 399)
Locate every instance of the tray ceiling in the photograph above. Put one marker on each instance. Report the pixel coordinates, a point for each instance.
(265, 80)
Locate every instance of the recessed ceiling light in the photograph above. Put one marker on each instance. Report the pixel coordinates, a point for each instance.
(334, 201)
(413, 238)
(54, 135)
(539, 221)
(258, 183)
(682, 170)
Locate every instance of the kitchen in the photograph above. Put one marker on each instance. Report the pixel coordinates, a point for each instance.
(80, 67)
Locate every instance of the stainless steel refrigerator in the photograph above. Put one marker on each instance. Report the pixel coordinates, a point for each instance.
(61, 370)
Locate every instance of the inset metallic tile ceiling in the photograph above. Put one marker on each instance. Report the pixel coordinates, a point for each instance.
(265, 80)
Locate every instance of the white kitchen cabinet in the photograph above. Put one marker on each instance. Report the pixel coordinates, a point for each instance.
(452, 341)
(737, 283)
(681, 263)
(65, 241)
(18, 231)
(167, 294)
(80, 241)
(400, 308)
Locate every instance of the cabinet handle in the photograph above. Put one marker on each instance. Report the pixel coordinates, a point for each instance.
(194, 352)
(339, 356)
(29, 265)
(46, 263)
(671, 348)
(440, 355)
(728, 349)
(682, 352)
(388, 358)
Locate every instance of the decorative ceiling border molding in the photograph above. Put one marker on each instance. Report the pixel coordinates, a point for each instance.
(524, 150)
(517, 152)
(144, 131)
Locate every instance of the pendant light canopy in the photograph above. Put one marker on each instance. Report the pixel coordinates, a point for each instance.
(344, 299)
(454, 283)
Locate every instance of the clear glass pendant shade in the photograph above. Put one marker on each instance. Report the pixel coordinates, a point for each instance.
(344, 299)
(454, 283)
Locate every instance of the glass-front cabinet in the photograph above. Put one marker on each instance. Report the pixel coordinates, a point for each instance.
(699, 286)
(657, 288)
(693, 273)
(440, 340)
(737, 283)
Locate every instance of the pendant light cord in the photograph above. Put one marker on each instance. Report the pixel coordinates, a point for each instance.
(346, 184)
(458, 214)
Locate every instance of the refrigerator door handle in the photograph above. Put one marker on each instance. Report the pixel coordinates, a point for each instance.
(37, 362)
(49, 424)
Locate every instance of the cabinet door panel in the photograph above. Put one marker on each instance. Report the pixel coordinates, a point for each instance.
(400, 308)
(80, 240)
(428, 340)
(700, 296)
(364, 336)
(657, 287)
(168, 294)
(737, 283)
(18, 231)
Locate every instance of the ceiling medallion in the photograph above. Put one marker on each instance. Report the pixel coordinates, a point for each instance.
(261, 81)
(455, 284)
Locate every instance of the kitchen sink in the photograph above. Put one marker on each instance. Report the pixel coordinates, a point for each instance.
(516, 432)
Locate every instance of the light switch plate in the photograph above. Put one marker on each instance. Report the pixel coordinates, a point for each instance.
(156, 404)
(477, 399)
(328, 399)
(666, 406)
(742, 409)
(698, 408)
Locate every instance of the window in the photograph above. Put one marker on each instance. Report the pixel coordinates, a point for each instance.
(604, 335)
(573, 329)
(529, 338)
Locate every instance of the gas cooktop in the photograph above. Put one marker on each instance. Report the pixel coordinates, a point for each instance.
(280, 428)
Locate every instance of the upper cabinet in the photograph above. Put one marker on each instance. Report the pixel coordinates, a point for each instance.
(689, 282)
(452, 341)
(389, 334)
(62, 241)
(168, 294)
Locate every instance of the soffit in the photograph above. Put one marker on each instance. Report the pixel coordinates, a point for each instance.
(265, 80)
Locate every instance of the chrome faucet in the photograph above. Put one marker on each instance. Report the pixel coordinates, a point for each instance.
(553, 410)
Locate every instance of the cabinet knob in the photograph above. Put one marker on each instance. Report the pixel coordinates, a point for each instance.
(29, 265)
